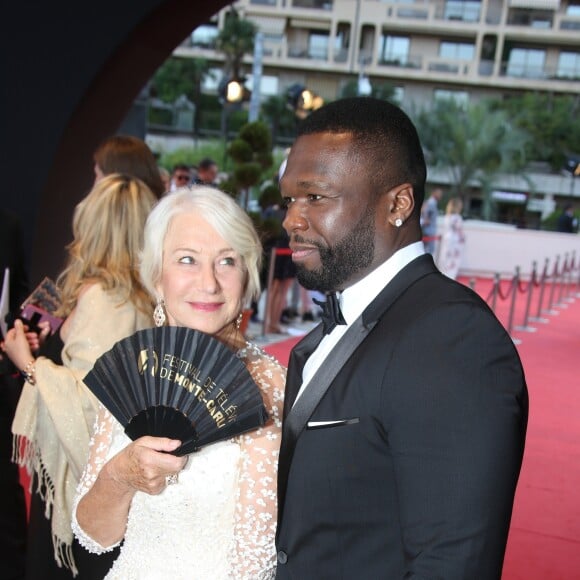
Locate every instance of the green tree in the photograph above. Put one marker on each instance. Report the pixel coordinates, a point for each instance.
(234, 40)
(552, 121)
(181, 76)
(281, 119)
(252, 155)
(474, 143)
(213, 148)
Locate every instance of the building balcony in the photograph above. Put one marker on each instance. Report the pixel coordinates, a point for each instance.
(540, 72)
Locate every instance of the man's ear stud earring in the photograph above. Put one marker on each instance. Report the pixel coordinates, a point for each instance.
(398, 222)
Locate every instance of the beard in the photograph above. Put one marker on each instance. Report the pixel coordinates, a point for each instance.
(350, 255)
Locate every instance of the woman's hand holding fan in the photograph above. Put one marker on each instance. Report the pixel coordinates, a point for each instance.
(145, 465)
(178, 383)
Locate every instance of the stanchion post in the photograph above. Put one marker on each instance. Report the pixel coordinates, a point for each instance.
(550, 310)
(538, 318)
(562, 280)
(525, 327)
(570, 281)
(578, 282)
(515, 283)
(495, 291)
(266, 320)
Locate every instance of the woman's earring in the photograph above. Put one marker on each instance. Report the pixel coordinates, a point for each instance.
(238, 322)
(159, 313)
(398, 222)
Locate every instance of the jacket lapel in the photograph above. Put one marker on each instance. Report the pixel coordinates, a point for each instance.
(302, 409)
(297, 414)
(298, 358)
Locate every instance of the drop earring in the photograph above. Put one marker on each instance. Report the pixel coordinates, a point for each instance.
(159, 313)
(398, 222)
(238, 321)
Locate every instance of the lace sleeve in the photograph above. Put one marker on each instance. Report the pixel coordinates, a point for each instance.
(254, 552)
(99, 447)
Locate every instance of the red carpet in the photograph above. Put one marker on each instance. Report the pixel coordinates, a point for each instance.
(544, 540)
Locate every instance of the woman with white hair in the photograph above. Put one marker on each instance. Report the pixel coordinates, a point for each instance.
(212, 514)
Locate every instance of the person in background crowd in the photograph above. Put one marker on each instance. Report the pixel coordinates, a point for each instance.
(213, 515)
(180, 176)
(282, 279)
(103, 301)
(207, 172)
(130, 156)
(429, 213)
(12, 502)
(165, 178)
(567, 222)
(452, 239)
(405, 411)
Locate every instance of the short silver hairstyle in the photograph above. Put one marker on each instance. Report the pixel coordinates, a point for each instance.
(220, 210)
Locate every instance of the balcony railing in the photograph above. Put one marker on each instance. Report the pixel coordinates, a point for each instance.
(540, 72)
(570, 24)
(316, 4)
(402, 62)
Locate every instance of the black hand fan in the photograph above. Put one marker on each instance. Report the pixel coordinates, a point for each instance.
(179, 383)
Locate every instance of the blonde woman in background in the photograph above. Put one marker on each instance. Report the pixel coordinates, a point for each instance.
(103, 301)
(452, 239)
(129, 155)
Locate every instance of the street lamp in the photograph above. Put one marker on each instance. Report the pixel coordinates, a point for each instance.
(573, 166)
(303, 101)
(231, 93)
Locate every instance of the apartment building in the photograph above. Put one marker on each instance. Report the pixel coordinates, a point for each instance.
(465, 49)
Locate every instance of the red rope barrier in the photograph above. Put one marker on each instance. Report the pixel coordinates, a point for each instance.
(524, 288)
(501, 294)
(492, 291)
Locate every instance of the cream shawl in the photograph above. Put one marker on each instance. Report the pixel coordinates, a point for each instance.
(55, 418)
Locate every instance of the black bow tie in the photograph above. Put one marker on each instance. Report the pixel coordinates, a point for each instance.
(331, 314)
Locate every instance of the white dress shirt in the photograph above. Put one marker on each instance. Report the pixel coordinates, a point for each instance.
(353, 302)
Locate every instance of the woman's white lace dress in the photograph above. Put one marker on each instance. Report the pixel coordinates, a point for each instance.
(219, 521)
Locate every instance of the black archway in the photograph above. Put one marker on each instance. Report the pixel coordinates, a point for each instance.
(71, 72)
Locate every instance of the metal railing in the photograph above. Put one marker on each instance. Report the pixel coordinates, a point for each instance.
(553, 289)
(545, 293)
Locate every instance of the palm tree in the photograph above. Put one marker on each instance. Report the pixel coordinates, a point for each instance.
(473, 143)
(552, 122)
(235, 39)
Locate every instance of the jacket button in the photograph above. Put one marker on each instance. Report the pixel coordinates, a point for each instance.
(282, 557)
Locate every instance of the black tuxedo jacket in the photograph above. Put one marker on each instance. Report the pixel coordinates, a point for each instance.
(400, 460)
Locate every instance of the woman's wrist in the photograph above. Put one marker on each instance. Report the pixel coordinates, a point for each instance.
(29, 372)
